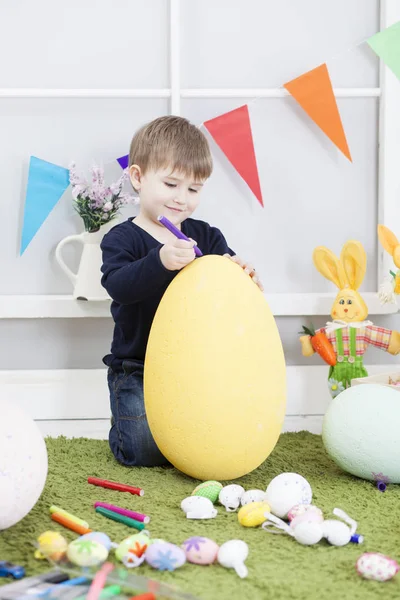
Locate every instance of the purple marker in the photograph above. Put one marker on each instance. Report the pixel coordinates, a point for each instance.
(181, 236)
(124, 511)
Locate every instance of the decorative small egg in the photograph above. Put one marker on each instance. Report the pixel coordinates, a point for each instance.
(86, 553)
(336, 532)
(134, 544)
(253, 496)
(253, 514)
(301, 509)
(98, 536)
(232, 555)
(286, 491)
(51, 544)
(165, 556)
(208, 489)
(373, 565)
(200, 550)
(308, 533)
(230, 496)
(310, 516)
(198, 507)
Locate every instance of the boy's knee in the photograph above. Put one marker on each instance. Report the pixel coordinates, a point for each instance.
(135, 450)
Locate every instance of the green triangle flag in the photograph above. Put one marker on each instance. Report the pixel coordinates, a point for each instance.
(386, 44)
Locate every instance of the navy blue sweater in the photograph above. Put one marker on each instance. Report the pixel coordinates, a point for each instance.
(136, 280)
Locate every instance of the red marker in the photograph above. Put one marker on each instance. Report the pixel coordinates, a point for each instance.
(112, 485)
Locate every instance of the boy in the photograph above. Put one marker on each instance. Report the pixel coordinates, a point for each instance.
(169, 161)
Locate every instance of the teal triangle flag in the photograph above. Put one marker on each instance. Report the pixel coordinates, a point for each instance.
(46, 185)
(386, 44)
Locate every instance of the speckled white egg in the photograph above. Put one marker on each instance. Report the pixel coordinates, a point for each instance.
(253, 496)
(23, 464)
(373, 565)
(230, 496)
(287, 490)
(198, 507)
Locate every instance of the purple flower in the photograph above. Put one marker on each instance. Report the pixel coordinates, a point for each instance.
(194, 542)
(98, 175)
(96, 202)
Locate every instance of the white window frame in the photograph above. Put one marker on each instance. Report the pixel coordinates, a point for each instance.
(285, 304)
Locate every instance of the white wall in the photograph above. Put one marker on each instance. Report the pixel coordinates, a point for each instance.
(312, 194)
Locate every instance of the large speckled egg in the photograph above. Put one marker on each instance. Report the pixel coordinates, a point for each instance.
(86, 553)
(361, 432)
(165, 556)
(200, 550)
(214, 379)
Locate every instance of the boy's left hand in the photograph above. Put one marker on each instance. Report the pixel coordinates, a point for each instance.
(247, 268)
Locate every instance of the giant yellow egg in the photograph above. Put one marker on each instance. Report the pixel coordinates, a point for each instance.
(214, 377)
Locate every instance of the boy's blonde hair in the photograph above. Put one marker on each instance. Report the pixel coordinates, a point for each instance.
(172, 142)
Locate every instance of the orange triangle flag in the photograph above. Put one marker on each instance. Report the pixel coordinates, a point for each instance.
(313, 91)
(232, 132)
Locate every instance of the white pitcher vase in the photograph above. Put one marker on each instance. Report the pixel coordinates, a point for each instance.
(86, 281)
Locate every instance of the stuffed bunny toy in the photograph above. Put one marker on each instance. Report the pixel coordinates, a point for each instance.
(389, 242)
(349, 332)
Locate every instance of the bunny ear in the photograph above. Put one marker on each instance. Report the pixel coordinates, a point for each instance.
(354, 261)
(387, 239)
(330, 266)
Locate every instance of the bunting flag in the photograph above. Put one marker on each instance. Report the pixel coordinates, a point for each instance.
(313, 91)
(46, 184)
(232, 132)
(123, 161)
(386, 44)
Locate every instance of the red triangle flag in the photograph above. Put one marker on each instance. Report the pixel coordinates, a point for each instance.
(313, 91)
(232, 132)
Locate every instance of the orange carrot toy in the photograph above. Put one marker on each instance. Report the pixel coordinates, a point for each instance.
(321, 345)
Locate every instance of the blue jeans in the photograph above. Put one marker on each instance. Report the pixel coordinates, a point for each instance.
(130, 437)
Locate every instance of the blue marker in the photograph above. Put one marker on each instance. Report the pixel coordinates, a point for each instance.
(177, 232)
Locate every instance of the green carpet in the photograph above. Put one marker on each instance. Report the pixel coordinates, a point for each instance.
(279, 568)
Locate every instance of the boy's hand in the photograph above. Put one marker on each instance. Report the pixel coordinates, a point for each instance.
(178, 254)
(247, 268)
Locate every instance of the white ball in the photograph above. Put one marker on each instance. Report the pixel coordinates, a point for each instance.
(287, 490)
(336, 532)
(308, 533)
(23, 464)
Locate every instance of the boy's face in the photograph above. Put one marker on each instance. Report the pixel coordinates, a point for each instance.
(167, 193)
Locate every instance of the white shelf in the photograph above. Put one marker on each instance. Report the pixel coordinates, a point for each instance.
(65, 307)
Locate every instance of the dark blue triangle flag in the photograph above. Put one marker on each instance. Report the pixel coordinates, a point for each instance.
(123, 161)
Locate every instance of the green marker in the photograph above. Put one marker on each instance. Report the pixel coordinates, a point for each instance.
(120, 518)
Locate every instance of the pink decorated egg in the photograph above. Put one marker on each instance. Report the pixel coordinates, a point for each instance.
(373, 565)
(165, 556)
(200, 550)
(301, 509)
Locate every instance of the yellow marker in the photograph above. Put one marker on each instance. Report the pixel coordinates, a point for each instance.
(60, 511)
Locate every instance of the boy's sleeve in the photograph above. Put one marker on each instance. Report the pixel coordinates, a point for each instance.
(218, 244)
(129, 279)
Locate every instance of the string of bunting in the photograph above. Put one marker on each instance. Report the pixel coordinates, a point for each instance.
(231, 131)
